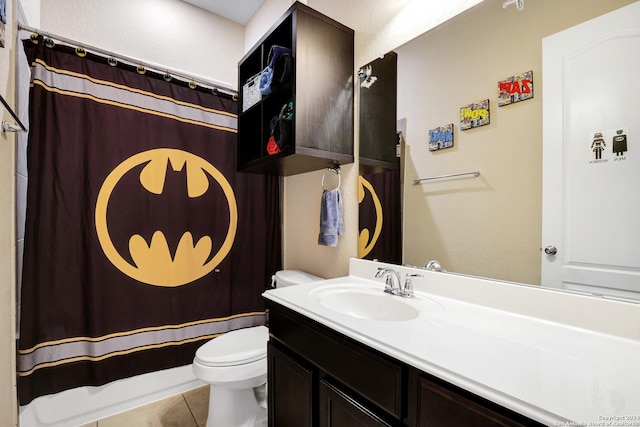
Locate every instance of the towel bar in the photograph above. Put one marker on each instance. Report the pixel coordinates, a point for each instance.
(8, 127)
(474, 173)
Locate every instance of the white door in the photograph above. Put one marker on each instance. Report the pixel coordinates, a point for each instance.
(591, 156)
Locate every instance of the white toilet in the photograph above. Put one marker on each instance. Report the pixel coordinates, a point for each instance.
(235, 367)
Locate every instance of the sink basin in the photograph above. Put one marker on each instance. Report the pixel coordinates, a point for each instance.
(364, 303)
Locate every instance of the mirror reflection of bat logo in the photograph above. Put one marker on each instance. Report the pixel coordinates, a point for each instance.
(166, 217)
(371, 224)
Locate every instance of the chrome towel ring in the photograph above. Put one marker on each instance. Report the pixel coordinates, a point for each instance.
(335, 170)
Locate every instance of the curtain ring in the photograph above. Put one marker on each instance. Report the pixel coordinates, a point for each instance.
(81, 52)
(234, 96)
(34, 38)
(141, 70)
(48, 42)
(335, 170)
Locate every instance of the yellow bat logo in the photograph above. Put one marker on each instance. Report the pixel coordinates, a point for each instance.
(153, 261)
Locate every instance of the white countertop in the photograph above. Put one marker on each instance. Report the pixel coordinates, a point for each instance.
(526, 359)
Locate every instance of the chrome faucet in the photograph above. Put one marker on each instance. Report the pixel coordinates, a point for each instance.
(392, 280)
(433, 265)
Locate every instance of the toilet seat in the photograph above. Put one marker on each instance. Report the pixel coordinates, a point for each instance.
(235, 367)
(239, 347)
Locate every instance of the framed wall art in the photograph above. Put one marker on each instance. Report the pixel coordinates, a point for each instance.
(441, 137)
(515, 89)
(474, 115)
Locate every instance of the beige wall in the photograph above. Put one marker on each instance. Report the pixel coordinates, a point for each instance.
(8, 412)
(488, 226)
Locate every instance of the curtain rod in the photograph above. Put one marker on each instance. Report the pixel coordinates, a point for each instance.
(219, 86)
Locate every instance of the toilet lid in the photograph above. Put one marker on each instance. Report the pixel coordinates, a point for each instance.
(235, 347)
(294, 277)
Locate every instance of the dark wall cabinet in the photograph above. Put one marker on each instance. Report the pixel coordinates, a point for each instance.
(317, 79)
(378, 103)
(320, 378)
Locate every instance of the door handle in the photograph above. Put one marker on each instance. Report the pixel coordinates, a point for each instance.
(550, 250)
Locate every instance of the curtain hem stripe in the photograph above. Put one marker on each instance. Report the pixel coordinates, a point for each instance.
(66, 352)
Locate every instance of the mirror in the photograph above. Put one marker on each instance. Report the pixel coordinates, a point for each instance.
(490, 225)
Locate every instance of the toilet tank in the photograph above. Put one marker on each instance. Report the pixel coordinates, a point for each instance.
(285, 278)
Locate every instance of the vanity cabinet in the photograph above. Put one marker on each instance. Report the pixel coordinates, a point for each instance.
(319, 86)
(319, 378)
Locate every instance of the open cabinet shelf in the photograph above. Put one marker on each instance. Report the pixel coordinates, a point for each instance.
(320, 88)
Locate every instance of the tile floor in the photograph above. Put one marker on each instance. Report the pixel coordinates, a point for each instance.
(183, 410)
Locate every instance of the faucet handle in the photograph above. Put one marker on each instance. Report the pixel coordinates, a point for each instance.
(407, 292)
(383, 272)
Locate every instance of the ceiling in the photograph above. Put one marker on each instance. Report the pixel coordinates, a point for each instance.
(239, 11)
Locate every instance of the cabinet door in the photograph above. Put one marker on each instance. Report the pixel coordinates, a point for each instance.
(441, 407)
(290, 390)
(375, 377)
(336, 409)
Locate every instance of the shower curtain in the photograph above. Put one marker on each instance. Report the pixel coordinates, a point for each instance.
(141, 239)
